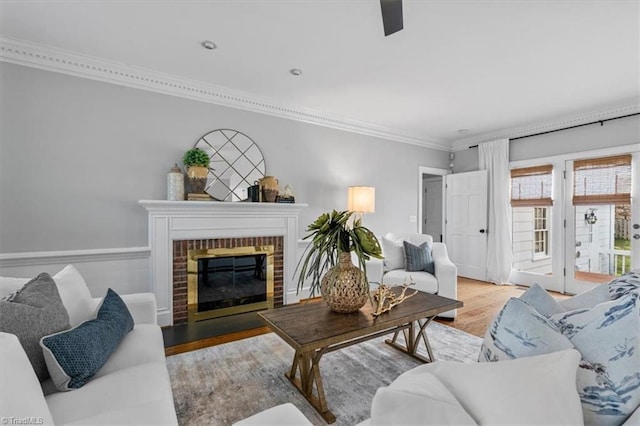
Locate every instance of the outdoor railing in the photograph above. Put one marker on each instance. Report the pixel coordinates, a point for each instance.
(622, 261)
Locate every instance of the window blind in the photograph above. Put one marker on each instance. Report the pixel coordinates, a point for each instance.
(531, 186)
(602, 180)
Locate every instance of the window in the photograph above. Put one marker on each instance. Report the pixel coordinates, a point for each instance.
(531, 186)
(540, 232)
(531, 202)
(602, 180)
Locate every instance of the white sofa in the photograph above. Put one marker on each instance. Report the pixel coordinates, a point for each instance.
(133, 387)
(543, 386)
(392, 270)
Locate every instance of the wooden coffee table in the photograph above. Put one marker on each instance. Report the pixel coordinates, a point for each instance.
(313, 330)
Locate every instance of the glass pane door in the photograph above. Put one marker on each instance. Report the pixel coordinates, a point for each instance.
(600, 242)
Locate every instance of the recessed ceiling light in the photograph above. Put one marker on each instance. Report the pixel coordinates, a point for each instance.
(209, 45)
(463, 131)
(295, 71)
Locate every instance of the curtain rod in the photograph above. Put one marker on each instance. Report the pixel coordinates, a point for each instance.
(570, 127)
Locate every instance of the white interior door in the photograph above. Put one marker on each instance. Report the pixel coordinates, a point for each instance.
(466, 222)
(602, 240)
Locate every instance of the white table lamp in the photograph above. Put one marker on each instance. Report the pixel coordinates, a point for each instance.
(361, 199)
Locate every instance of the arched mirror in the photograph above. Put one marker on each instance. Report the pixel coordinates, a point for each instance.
(236, 164)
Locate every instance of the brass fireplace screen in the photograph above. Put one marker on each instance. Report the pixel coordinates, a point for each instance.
(228, 281)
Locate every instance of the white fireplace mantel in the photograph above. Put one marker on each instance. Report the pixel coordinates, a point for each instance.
(192, 220)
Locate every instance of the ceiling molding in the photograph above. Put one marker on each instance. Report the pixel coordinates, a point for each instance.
(532, 129)
(79, 65)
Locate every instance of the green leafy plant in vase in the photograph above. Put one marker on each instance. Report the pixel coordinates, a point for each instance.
(326, 262)
(196, 162)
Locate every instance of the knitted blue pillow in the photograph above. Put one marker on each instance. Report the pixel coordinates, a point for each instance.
(73, 357)
(418, 258)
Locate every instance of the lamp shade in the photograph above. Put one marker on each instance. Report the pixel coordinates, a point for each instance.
(361, 199)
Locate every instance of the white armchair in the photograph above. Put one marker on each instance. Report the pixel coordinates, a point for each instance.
(444, 282)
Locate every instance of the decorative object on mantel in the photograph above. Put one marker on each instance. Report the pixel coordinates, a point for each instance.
(286, 196)
(344, 286)
(199, 197)
(386, 298)
(175, 184)
(269, 187)
(197, 163)
(236, 164)
(254, 193)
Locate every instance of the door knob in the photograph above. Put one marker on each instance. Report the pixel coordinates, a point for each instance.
(636, 236)
(482, 231)
(636, 226)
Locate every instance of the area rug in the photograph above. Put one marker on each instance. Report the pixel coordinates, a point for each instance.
(223, 384)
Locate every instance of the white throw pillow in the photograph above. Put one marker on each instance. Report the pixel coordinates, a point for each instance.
(417, 400)
(75, 295)
(10, 285)
(21, 396)
(393, 252)
(532, 390)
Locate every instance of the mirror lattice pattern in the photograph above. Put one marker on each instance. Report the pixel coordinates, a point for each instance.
(236, 164)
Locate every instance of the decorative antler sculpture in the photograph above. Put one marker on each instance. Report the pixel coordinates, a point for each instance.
(386, 298)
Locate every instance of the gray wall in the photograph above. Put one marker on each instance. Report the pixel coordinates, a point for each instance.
(625, 131)
(76, 155)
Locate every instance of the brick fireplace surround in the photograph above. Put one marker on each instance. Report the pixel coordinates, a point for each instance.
(182, 247)
(174, 226)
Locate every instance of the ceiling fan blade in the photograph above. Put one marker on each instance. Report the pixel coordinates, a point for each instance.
(391, 16)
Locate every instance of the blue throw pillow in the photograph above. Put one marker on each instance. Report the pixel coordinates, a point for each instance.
(418, 258)
(608, 338)
(624, 284)
(519, 331)
(73, 357)
(540, 300)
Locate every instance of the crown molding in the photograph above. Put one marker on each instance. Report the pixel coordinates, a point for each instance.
(71, 63)
(575, 120)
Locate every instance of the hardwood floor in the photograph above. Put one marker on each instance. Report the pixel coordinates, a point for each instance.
(482, 301)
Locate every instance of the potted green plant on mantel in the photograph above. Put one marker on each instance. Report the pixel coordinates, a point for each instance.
(327, 260)
(196, 162)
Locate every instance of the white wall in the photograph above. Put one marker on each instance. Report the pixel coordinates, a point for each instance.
(625, 131)
(595, 242)
(76, 155)
(523, 242)
(95, 149)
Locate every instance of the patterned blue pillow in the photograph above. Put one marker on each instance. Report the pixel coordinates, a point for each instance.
(608, 337)
(73, 357)
(418, 258)
(520, 331)
(622, 285)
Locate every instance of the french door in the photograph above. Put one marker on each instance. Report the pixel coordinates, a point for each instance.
(602, 212)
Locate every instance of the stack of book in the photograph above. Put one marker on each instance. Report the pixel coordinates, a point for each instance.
(199, 197)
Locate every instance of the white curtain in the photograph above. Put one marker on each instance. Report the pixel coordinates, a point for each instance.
(494, 157)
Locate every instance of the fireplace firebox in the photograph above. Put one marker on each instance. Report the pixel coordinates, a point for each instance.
(227, 281)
